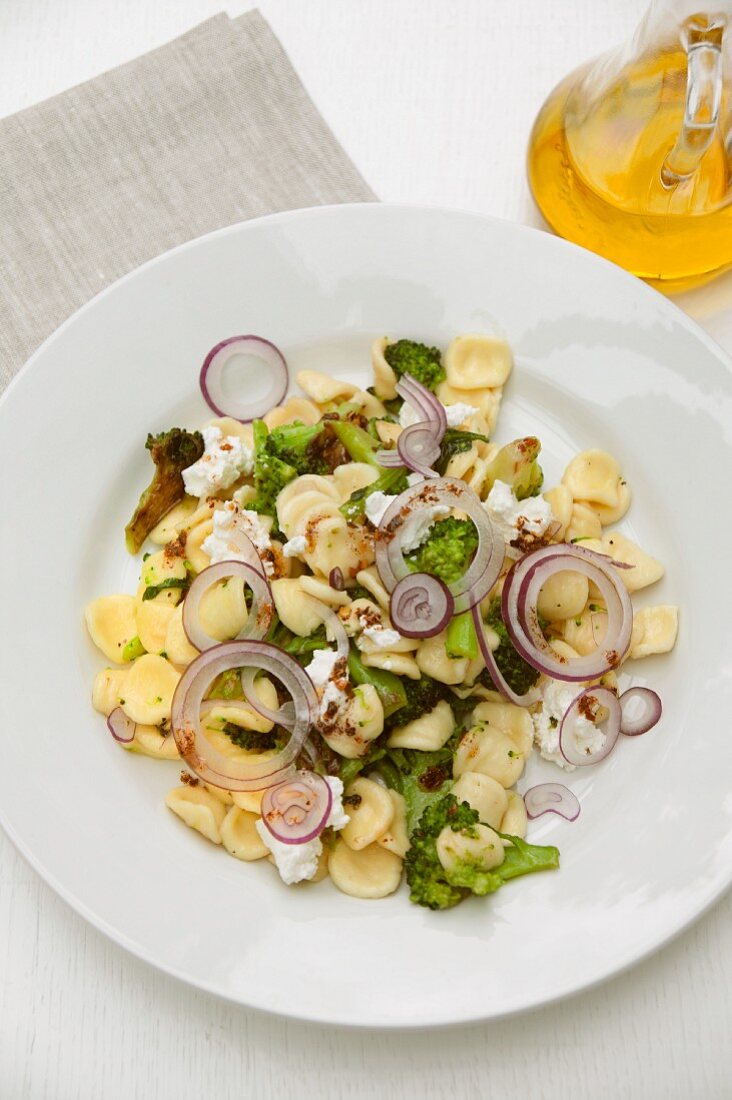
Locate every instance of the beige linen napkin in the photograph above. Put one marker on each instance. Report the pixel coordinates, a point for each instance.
(208, 130)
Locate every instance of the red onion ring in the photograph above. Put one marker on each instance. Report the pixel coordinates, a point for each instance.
(121, 727)
(296, 810)
(518, 608)
(243, 549)
(260, 614)
(418, 447)
(336, 579)
(585, 705)
(201, 756)
(423, 401)
(395, 526)
(652, 711)
(529, 697)
(421, 606)
(552, 798)
(211, 377)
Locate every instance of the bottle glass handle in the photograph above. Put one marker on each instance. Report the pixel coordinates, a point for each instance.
(703, 101)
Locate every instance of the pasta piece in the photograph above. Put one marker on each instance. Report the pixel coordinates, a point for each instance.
(515, 820)
(321, 590)
(295, 609)
(321, 870)
(223, 610)
(198, 809)
(198, 558)
(169, 526)
(108, 690)
(585, 632)
(401, 664)
(366, 620)
(151, 741)
(563, 649)
(367, 403)
(560, 501)
(176, 645)
(354, 726)
(228, 426)
(514, 721)
(353, 476)
(110, 621)
(476, 361)
(484, 795)
(480, 846)
(324, 388)
(148, 690)
(563, 596)
(223, 796)
(372, 582)
(371, 872)
(241, 713)
(432, 658)
(594, 476)
(388, 432)
(310, 507)
(470, 468)
(370, 811)
(584, 523)
(428, 733)
(646, 570)
(384, 378)
(396, 838)
(153, 618)
(297, 408)
(248, 800)
(162, 568)
(657, 628)
(491, 752)
(240, 837)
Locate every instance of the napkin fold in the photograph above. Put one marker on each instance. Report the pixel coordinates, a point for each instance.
(210, 129)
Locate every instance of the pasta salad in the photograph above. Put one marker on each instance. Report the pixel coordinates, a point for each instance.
(358, 616)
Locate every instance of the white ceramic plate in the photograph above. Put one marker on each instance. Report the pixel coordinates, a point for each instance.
(602, 361)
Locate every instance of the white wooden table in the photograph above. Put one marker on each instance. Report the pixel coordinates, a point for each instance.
(434, 100)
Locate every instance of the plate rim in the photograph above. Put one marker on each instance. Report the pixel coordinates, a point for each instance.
(704, 901)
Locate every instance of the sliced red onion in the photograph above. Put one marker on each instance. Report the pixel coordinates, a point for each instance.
(423, 401)
(552, 798)
(211, 377)
(389, 458)
(336, 579)
(191, 737)
(421, 606)
(586, 705)
(529, 697)
(296, 810)
(519, 602)
(260, 614)
(241, 548)
(419, 448)
(397, 523)
(650, 714)
(121, 727)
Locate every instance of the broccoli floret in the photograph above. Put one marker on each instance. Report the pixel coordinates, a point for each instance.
(447, 551)
(299, 648)
(308, 448)
(455, 442)
(422, 696)
(391, 481)
(253, 740)
(271, 473)
(172, 452)
(518, 673)
(428, 884)
(516, 465)
(410, 357)
(420, 777)
(434, 887)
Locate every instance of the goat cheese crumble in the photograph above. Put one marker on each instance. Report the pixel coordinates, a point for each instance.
(298, 862)
(456, 414)
(513, 517)
(419, 524)
(228, 520)
(556, 701)
(321, 666)
(224, 460)
(376, 504)
(295, 546)
(383, 637)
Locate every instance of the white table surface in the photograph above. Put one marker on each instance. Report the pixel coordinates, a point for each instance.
(434, 100)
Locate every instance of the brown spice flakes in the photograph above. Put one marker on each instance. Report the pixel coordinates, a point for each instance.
(587, 707)
(189, 780)
(176, 548)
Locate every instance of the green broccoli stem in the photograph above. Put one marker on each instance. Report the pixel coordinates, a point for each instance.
(391, 481)
(388, 686)
(360, 445)
(461, 640)
(260, 432)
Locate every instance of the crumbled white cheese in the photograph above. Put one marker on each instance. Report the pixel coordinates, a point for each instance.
(376, 504)
(321, 666)
(419, 524)
(513, 517)
(456, 414)
(414, 479)
(557, 698)
(228, 520)
(332, 695)
(383, 637)
(294, 547)
(297, 862)
(224, 460)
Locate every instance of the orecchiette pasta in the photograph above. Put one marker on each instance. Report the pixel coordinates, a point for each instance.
(323, 388)
(396, 838)
(359, 722)
(148, 690)
(150, 741)
(110, 621)
(176, 645)
(371, 812)
(560, 501)
(646, 570)
(108, 689)
(584, 522)
(403, 664)
(563, 596)
(433, 660)
(384, 378)
(515, 820)
(484, 795)
(594, 476)
(161, 569)
(240, 837)
(480, 846)
(172, 522)
(309, 507)
(372, 872)
(475, 362)
(199, 809)
(514, 721)
(655, 630)
(152, 618)
(297, 408)
(486, 749)
(428, 733)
